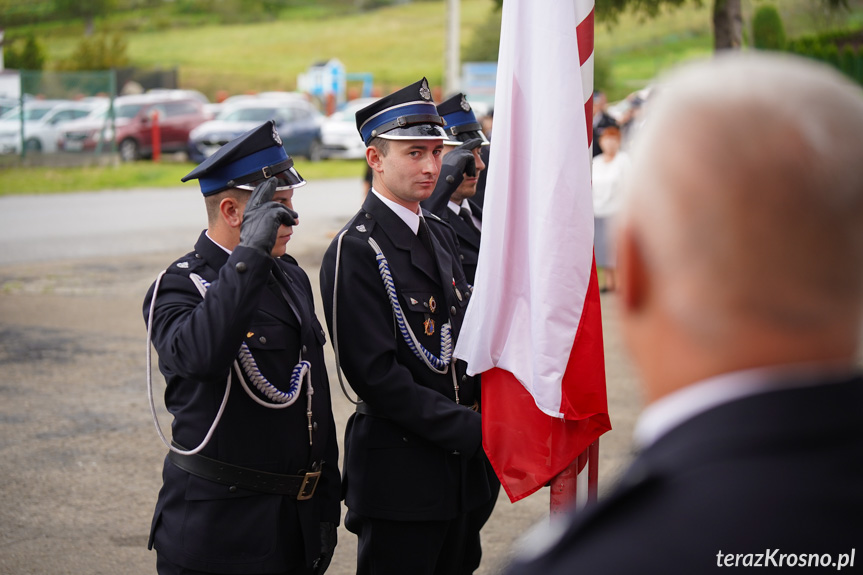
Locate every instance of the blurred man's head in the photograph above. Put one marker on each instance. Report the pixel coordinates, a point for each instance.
(742, 236)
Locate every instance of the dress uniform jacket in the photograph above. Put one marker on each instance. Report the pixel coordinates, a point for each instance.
(769, 474)
(467, 234)
(208, 526)
(411, 452)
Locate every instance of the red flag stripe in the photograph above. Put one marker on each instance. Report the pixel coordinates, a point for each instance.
(584, 31)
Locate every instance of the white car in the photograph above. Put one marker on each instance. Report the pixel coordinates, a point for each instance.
(339, 134)
(43, 124)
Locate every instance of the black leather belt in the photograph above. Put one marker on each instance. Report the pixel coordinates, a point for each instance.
(363, 408)
(300, 486)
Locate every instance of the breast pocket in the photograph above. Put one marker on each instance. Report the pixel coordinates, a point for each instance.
(425, 313)
(271, 337)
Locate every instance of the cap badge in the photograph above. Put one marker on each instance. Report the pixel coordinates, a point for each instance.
(464, 105)
(428, 324)
(425, 93)
(276, 137)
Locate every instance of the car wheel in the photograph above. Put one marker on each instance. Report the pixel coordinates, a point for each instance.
(33, 145)
(129, 151)
(316, 151)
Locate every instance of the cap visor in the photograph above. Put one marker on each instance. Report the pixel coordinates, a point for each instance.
(460, 139)
(416, 132)
(287, 180)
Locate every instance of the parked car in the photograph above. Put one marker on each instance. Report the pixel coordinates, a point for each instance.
(297, 121)
(133, 118)
(7, 104)
(43, 123)
(339, 134)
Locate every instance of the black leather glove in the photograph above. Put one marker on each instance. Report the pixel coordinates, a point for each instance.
(454, 166)
(262, 218)
(329, 538)
(461, 160)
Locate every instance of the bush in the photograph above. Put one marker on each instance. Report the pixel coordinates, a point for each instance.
(485, 44)
(768, 33)
(848, 61)
(30, 55)
(99, 52)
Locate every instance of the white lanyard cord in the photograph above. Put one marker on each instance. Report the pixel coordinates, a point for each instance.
(283, 399)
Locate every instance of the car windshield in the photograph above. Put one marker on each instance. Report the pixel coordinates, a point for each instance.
(127, 110)
(248, 114)
(30, 114)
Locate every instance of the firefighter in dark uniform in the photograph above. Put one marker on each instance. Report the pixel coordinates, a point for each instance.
(394, 298)
(452, 201)
(251, 483)
(461, 168)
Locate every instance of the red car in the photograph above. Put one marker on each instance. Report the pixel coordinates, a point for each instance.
(133, 119)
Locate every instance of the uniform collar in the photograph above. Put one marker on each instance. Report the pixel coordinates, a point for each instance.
(408, 217)
(456, 208)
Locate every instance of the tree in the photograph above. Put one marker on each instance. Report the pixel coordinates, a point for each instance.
(88, 10)
(768, 33)
(31, 56)
(727, 18)
(100, 52)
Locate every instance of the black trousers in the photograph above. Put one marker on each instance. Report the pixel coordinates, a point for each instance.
(475, 521)
(165, 567)
(417, 547)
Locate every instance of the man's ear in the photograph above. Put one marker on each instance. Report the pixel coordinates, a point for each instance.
(374, 158)
(633, 279)
(231, 211)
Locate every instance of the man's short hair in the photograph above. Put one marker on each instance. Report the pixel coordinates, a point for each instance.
(381, 144)
(212, 201)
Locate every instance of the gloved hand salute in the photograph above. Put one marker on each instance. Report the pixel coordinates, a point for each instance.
(263, 217)
(459, 162)
(454, 166)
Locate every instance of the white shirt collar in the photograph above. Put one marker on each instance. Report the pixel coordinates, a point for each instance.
(456, 208)
(217, 243)
(410, 218)
(668, 412)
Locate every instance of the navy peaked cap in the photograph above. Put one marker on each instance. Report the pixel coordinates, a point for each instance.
(408, 114)
(461, 122)
(246, 161)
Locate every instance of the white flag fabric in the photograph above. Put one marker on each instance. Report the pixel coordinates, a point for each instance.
(533, 327)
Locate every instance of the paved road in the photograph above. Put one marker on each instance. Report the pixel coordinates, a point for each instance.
(81, 461)
(145, 221)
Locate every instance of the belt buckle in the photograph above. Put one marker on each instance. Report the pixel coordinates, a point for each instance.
(310, 483)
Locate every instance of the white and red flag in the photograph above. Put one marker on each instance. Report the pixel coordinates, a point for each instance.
(533, 328)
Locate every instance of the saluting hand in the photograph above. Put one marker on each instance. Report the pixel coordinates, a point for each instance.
(262, 218)
(462, 159)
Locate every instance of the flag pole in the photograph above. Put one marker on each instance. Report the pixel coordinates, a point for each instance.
(565, 492)
(565, 487)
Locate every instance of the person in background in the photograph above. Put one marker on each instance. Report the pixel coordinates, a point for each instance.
(452, 201)
(740, 257)
(601, 119)
(609, 169)
(461, 168)
(251, 483)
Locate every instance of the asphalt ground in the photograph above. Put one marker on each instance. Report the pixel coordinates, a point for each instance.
(81, 461)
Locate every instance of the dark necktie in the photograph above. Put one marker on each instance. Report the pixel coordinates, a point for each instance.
(424, 234)
(465, 214)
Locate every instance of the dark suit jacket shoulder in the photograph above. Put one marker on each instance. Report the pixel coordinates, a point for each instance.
(775, 471)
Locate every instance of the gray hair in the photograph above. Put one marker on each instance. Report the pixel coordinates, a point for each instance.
(747, 191)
